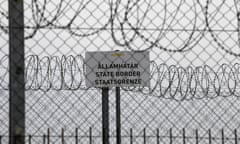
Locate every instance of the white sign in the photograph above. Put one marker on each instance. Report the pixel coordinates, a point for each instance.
(120, 68)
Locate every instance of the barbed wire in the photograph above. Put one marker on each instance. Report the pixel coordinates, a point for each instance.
(209, 19)
(179, 83)
(128, 22)
(170, 82)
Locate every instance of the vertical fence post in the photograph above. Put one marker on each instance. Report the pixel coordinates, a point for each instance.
(235, 136)
(170, 136)
(131, 136)
(90, 135)
(184, 136)
(223, 137)
(76, 136)
(62, 136)
(44, 139)
(29, 139)
(209, 136)
(16, 76)
(48, 136)
(144, 136)
(158, 137)
(105, 115)
(197, 137)
(118, 115)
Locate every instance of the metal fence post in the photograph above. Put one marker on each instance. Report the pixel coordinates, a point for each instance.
(118, 115)
(16, 76)
(105, 115)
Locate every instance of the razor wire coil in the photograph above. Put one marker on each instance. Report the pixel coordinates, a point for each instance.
(128, 22)
(170, 82)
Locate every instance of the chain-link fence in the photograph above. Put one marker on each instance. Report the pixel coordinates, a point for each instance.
(195, 70)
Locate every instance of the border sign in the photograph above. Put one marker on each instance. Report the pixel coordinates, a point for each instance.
(117, 69)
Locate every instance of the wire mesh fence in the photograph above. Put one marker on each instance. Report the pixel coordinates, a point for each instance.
(194, 70)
